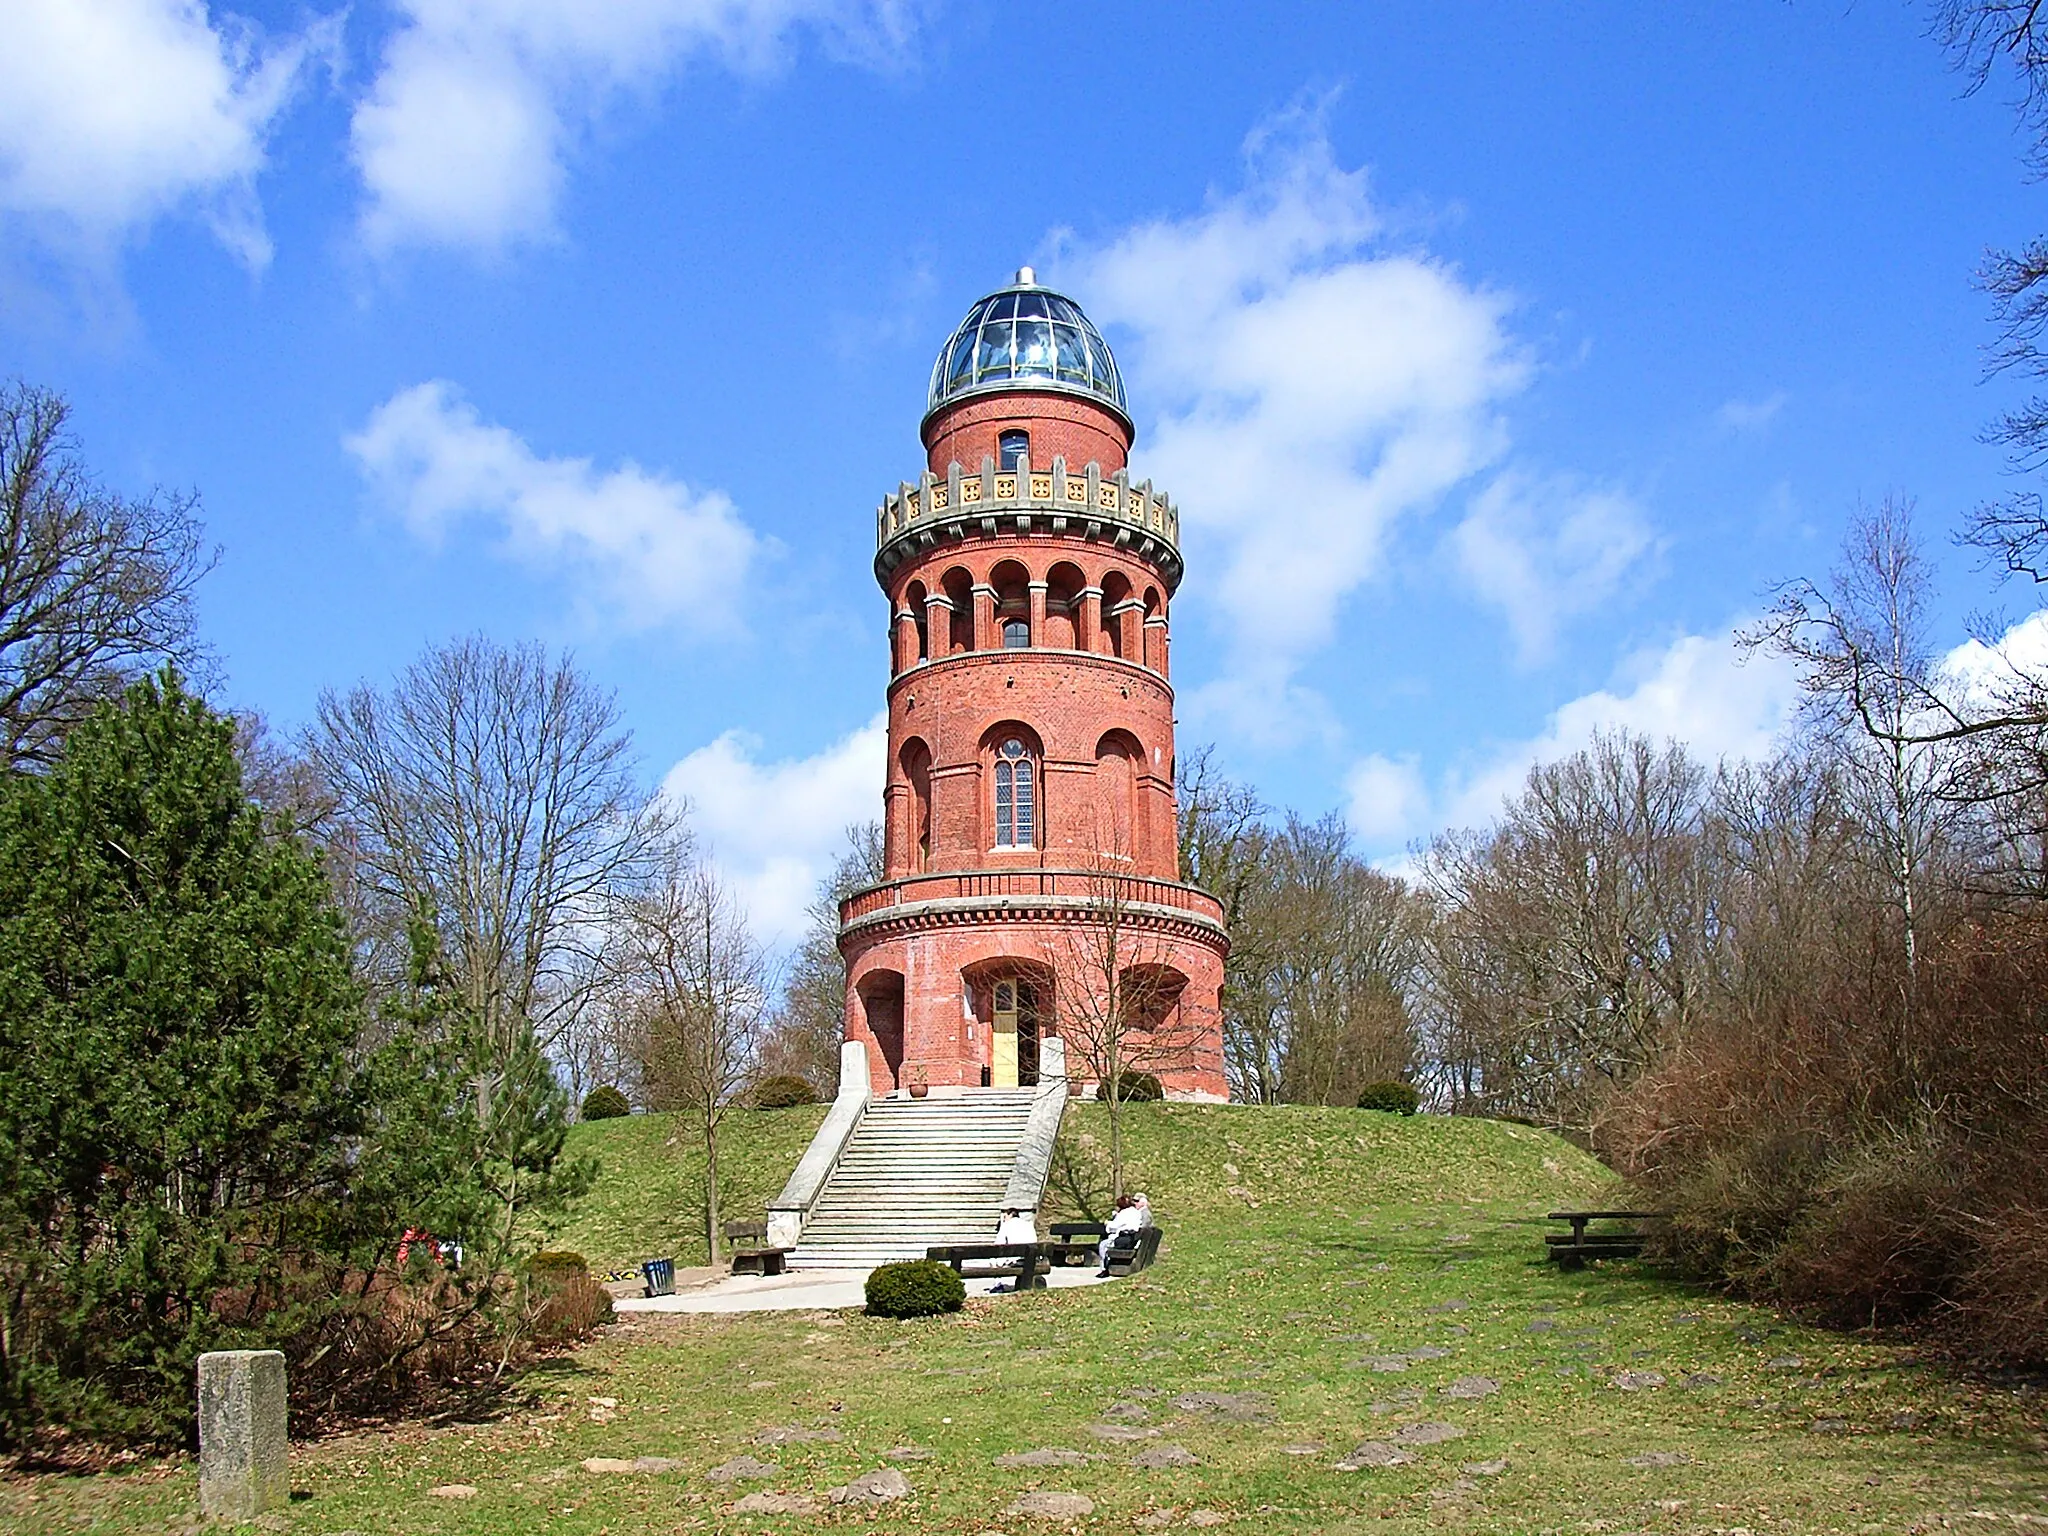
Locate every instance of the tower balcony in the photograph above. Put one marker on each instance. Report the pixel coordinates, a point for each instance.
(1085, 505)
(1031, 894)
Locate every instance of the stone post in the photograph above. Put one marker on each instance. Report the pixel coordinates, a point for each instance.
(243, 1468)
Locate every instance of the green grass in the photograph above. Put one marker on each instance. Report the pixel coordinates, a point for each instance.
(1300, 1244)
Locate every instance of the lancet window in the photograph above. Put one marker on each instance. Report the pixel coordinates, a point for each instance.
(1016, 796)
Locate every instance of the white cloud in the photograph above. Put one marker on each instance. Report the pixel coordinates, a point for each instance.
(1385, 799)
(1703, 690)
(645, 549)
(1545, 551)
(774, 829)
(116, 112)
(1984, 674)
(1313, 387)
(1748, 415)
(462, 137)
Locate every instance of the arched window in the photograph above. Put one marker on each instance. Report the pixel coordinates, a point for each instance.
(1016, 799)
(1016, 634)
(1015, 448)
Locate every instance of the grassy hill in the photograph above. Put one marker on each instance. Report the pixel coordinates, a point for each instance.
(1331, 1280)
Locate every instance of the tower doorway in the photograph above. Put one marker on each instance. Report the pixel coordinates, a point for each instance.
(1013, 1056)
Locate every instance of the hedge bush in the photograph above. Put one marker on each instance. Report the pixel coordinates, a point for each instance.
(606, 1103)
(919, 1288)
(784, 1092)
(1391, 1098)
(1139, 1088)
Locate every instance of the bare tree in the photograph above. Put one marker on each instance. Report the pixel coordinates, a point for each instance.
(1873, 692)
(491, 795)
(686, 965)
(95, 588)
(1120, 1005)
(810, 1019)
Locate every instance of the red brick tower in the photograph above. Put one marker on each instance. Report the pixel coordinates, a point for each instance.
(1031, 831)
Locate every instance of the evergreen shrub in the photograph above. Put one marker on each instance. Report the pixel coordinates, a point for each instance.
(919, 1288)
(1139, 1088)
(605, 1102)
(784, 1091)
(1390, 1098)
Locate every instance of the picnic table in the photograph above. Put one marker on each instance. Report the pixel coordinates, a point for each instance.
(1571, 1250)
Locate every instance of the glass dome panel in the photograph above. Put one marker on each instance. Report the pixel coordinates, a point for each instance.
(1029, 336)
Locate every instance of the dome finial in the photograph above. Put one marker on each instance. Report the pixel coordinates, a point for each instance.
(1026, 278)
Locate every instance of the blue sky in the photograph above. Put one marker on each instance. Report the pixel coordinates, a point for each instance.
(1500, 358)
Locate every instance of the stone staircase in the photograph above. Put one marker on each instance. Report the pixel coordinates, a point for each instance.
(916, 1172)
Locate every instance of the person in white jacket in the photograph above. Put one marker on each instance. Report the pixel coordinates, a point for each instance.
(1016, 1227)
(1129, 1217)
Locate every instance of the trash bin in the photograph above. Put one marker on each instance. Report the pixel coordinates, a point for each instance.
(660, 1275)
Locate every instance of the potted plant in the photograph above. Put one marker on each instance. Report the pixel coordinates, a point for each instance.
(919, 1087)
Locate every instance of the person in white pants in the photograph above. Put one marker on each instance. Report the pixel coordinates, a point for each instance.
(1128, 1218)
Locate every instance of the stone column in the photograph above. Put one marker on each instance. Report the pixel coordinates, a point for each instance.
(938, 625)
(1038, 591)
(985, 636)
(1088, 623)
(906, 641)
(1155, 644)
(243, 1467)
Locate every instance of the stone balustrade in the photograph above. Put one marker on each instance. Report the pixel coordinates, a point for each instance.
(1074, 887)
(1088, 505)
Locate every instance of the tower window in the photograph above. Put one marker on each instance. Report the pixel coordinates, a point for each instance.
(1016, 808)
(1016, 634)
(1015, 448)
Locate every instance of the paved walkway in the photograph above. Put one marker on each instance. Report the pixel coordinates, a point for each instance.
(806, 1290)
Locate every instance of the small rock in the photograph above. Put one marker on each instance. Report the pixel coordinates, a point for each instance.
(1132, 1411)
(1207, 1517)
(1231, 1407)
(1787, 1363)
(1386, 1365)
(1121, 1432)
(1044, 1456)
(453, 1491)
(766, 1503)
(1455, 1304)
(1472, 1387)
(1457, 1330)
(1302, 1448)
(1540, 1325)
(1155, 1519)
(795, 1434)
(878, 1487)
(1358, 1338)
(907, 1453)
(1637, 1381)
(1429, 1352)
(1905, 1421)
(608, 1464)
(1486, 1468)
(1428, 1434)
(1696, 1380)
(1163, 1456)
(1659, 1459)
(1373, 1453)
(1828, 1426)
(743, 1469)
(1053, 1506)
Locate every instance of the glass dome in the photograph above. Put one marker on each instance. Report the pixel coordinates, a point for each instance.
(1026, 337)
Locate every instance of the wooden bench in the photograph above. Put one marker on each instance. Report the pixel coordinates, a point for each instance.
(1572, 1249)
(758, 1259)
(1078, 1242)
(996, 1259)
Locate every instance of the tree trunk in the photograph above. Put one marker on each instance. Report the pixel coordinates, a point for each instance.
(711, 1188)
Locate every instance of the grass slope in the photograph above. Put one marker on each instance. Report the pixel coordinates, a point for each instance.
(1338, 1275)
(649, 1198)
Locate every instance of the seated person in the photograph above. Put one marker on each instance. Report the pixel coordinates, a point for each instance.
(1016, 1227)
(1128, 1218)
(1144, 1206)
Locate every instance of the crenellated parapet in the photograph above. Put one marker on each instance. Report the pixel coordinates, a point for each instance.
(1082, 505)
